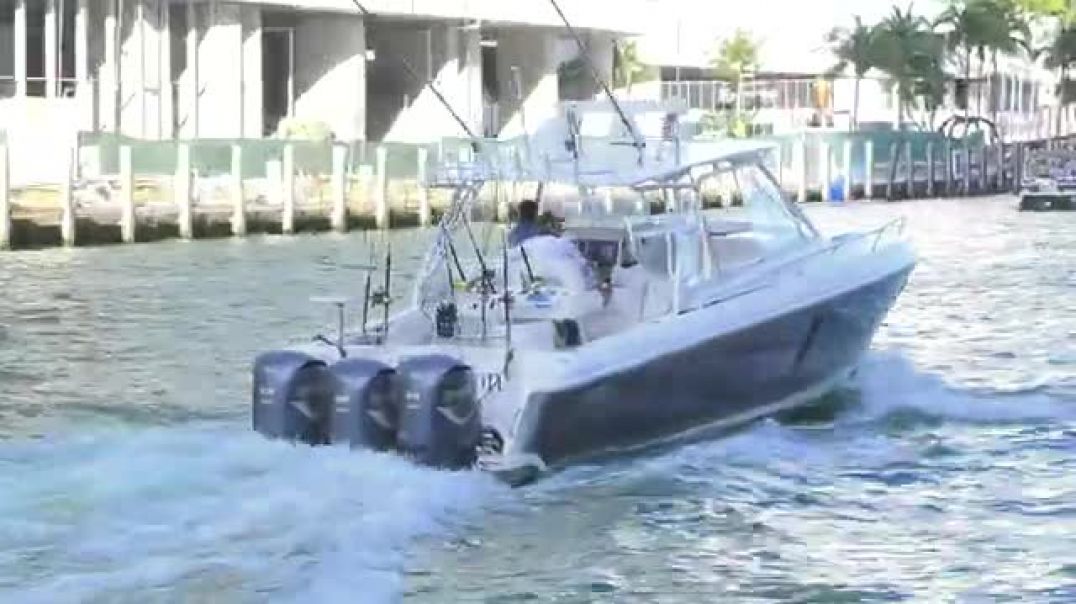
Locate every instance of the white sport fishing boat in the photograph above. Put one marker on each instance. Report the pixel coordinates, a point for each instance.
(623, 330)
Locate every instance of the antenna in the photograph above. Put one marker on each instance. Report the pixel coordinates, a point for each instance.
(637, 141)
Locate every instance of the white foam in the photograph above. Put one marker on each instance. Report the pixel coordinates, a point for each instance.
(890, 382)
(216, 511)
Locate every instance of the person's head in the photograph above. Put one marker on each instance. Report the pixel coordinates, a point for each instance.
(528, 210)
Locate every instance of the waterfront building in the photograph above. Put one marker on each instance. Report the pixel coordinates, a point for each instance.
(161, 69)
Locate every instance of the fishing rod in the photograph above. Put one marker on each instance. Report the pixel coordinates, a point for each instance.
(527, 263)
(387, 299)
(486, 280)
(638, 142)
(429, 83)
(507, 306)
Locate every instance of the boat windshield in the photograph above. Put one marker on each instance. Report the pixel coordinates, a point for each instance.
(745, 192)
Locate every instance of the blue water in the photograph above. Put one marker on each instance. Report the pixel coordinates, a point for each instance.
(945, 472)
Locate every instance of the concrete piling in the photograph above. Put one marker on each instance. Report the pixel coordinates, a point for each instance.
(999, 175)
(127, 203)
(967, 168)
(868, 170)
(184, 191)
(1018, 170)
(287, 185)
(930, 169)
(239, 209)
(424, 214)
(67, 201)
(825, 163)
(894, 163)
(909, 176)
(948, 165)
(339, 189)
(5, 201)
(846, 166)
(800, 159)
(381, 190)
(983, 164)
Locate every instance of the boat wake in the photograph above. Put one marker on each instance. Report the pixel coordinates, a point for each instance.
(201, 513)
(889, 387)
(210, 511)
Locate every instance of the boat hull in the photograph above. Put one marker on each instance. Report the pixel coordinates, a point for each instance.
(728, 379)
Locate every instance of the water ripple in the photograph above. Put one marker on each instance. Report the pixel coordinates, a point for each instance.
(128, 473)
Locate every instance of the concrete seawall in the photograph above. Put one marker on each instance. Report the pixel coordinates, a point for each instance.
(290, 189)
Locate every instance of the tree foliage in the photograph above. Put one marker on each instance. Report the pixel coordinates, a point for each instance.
(629, 69)
(853, 47)
(736, 56)
(913, 52)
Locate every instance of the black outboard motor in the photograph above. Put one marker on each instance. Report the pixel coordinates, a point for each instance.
(440, 423)
(367, 404)
(293, 397)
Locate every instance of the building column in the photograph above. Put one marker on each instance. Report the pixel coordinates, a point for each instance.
(139, 78)
(138, 41)
(220, 77)
(471, 77)
(108, 90)
(330, 71)
(253, 117)
(83, 88)
(51, 47)
(534, 54)
(20, 48)
(166, 102)
(189, 80)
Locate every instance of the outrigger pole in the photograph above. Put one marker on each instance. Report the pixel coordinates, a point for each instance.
(637, 140)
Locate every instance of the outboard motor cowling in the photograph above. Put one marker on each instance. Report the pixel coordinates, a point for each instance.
(366, 412)
(293, 397)
(440, 423)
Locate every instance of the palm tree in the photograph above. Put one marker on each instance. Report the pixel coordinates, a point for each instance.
(629, 68)
(969, 23)
(1061, 55)
(735, 57)
(853, 48)
(1011, 34)
(905, 48)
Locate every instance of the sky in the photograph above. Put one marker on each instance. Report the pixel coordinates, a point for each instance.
(791, 32)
